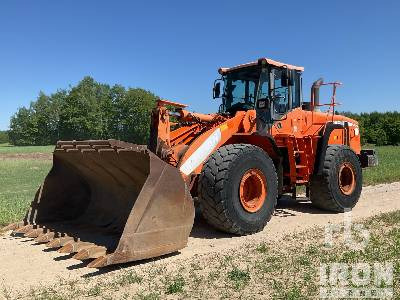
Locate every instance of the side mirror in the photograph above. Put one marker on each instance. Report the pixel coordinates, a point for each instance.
(217, 90)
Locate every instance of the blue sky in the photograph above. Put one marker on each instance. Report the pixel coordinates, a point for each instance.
(174, 48)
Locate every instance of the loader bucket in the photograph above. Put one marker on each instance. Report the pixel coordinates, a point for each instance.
(110, 201)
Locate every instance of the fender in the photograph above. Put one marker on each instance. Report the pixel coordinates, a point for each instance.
(325, 133)
(267, 143)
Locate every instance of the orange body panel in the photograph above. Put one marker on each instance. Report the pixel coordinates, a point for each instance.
(297, 133)
(300, 123)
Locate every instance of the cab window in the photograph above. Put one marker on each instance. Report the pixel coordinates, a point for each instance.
(280, 94)
(296, 90)
(240, 91)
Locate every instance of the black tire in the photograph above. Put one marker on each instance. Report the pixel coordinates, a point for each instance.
(325, 191)
(218, 189)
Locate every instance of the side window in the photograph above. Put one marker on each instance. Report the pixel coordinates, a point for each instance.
(242, 91)
(263, 91)
(296, 90)
(281, 94)
(239, 94)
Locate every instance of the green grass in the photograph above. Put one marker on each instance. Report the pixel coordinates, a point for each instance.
(238, 277)
(7, 148)
(388, 169)
(19, 180)
(175, 285)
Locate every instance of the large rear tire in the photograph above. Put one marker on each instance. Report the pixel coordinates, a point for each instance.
(238, 189)
(339, 187)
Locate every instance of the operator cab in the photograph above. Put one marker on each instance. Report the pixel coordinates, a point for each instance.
(270, 87)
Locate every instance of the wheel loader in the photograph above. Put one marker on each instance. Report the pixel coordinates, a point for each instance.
(112, 202)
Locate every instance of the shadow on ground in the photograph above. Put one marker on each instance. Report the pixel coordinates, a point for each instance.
(288, 207)
(112, 268)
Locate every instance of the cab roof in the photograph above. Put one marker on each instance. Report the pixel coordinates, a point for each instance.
(260, 61)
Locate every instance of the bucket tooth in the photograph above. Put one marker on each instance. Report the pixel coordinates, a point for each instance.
(67, 248)
(72, 247)
(55, 243)
(23, 229)
(13, 226)
(92, 252)
(98, 262)
(82, 255)
(82, 246)
(33, 233)
(29, 232)
(59, 242)
(45, 237)
(66, 240)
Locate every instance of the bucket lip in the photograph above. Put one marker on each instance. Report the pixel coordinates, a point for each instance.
(110, 142)
(103, 146)
(100, 145)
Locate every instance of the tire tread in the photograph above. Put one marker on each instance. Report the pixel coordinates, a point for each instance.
(321, 192)
(211, 187)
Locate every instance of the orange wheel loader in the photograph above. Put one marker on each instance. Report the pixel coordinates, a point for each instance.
(112, 202)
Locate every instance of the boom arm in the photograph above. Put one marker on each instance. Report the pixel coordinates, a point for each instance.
(197, 136)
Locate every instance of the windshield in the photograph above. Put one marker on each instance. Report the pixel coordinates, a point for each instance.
(240, 89)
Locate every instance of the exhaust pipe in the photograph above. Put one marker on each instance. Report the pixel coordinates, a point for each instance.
(315, 94)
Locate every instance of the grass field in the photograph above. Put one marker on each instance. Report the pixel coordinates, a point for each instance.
(20, 178)
(7, 148)
(388, 169)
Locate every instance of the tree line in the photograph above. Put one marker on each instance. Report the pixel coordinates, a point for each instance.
(4, 136)
(89, 110)
(93, 110)
(378, 128)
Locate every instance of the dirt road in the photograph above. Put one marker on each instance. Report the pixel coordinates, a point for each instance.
(23, 264)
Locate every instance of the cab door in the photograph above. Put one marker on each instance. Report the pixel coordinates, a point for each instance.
(287, 112)
(279, 103)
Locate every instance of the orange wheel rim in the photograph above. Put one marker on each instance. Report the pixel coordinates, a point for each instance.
(347, 178)
(253, 190)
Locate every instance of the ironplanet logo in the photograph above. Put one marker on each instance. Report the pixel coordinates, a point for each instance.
(362, 280)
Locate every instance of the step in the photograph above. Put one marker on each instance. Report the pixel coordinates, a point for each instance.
(300, 181)
(301, 166)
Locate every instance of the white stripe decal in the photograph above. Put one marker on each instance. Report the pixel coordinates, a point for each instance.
(201, 153)
(342, 123)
